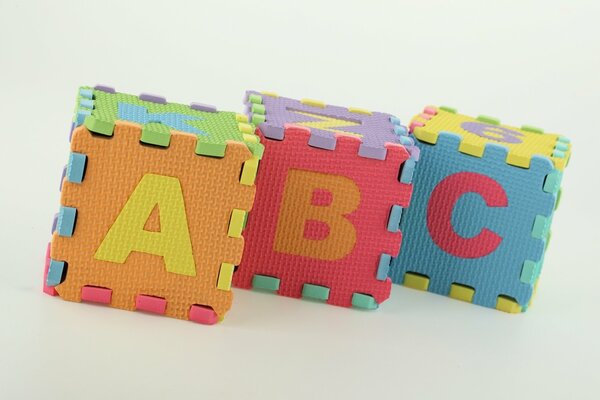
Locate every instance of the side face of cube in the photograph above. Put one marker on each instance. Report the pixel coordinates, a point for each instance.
(152, 206)
(329, 200)
(483, 203)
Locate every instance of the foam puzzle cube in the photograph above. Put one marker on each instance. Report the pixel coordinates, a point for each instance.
(483, 203)
(153, 202)
(330, 196)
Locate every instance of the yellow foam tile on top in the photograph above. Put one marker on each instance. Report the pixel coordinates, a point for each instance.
(522, 144)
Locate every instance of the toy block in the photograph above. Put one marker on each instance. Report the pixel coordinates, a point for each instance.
(330, 198)
(484, 198)
(153, 203)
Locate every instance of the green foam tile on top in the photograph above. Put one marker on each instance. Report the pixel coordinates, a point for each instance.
(364, 301)
(213, 129)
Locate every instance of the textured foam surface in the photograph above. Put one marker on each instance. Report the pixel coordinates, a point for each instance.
(322, 213)
(374, 128)
(479, 224)
(211, 127)
(116, 165)
(522, 143)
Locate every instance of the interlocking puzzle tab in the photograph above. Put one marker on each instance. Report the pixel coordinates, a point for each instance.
(330, 196)
(482, 208)
(153, 201)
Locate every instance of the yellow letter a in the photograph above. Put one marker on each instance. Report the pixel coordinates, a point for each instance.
(173, 241)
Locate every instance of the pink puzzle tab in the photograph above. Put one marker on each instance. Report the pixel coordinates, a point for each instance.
(96, 294)
(203, 315)
(153, 304)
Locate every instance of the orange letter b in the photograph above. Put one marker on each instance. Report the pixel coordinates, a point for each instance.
(298, 208)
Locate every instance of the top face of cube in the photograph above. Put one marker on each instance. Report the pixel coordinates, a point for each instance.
(98, 108)
(374, 129)
(522, 143)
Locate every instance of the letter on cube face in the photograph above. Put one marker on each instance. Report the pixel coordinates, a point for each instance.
(153, 202)
(483, 202)
(330, 195)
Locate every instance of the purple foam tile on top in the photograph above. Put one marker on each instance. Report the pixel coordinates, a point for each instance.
(153, 98)
(105, 88)
(203, 107)
(374, 130)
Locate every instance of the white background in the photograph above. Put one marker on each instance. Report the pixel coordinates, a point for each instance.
(526, 62)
